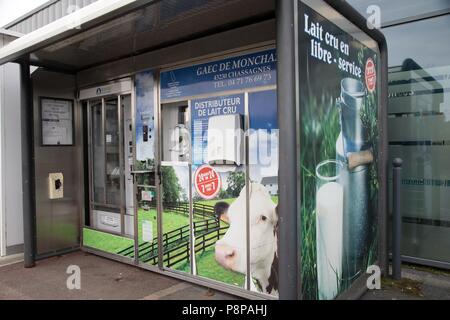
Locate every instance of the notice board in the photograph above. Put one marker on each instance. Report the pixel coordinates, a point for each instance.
(56, 122)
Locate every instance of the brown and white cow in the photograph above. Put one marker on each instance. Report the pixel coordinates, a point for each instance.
(230, 251)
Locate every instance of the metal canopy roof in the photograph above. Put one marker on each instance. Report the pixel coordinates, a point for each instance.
(108, 30)
(44, 14)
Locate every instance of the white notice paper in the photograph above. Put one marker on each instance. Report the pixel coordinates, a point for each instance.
(147, 231)
(57, 122)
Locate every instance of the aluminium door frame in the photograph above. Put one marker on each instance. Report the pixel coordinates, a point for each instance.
(102, 99)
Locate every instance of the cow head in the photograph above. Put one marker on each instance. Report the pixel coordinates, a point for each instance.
(230, 251)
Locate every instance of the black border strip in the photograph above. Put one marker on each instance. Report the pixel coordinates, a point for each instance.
(427, 222)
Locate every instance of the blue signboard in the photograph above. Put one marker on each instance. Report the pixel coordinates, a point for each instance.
(247, 71)
(202, 111)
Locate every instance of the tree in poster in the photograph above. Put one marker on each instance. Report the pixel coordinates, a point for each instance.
(172, 191)
(236, 181)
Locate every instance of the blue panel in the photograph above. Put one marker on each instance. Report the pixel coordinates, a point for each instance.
(202, 110)
(252, 70)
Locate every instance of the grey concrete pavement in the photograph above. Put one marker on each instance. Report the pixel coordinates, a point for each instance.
(106, 279)
(417, 283)
(100, 279)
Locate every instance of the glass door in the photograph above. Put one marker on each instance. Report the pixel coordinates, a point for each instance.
(110, 224)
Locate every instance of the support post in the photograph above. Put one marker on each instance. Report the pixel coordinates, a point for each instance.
(288, 250)
(396, 219)
(27, 125)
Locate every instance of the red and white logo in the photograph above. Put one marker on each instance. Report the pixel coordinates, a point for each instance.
(207, 182)
(371, 75)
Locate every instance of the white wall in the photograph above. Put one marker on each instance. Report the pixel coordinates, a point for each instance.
(2, 218)
(11, 210)
(12, 169)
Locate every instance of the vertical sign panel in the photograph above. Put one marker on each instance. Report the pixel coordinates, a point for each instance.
(263, 174)
(144, 168)
(219, 192)
(338, 66)
(234, 158)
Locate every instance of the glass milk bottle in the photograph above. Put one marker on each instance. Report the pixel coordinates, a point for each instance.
(329, 217)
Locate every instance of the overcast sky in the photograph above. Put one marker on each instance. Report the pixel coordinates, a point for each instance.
(12, 9)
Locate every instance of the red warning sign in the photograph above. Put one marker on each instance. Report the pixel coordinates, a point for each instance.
(371, 75)
(207, 182)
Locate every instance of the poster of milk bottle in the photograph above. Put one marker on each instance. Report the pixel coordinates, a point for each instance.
(338, 108)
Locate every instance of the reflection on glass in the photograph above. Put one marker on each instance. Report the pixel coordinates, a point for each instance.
(392, 11)
(108, 214)
(329, 220)
(175, 133)
(419, 133)
(98, 152)
(113, 172)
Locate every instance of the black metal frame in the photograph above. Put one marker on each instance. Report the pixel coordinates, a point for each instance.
(28, 167)
(289, 227)
(289, 206)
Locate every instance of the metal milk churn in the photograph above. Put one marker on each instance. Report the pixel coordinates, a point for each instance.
(355, 181)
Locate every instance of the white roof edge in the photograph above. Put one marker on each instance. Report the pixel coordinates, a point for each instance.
(10, 33)
(64, 27)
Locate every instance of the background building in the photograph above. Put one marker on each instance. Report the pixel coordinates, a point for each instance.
(417, 34)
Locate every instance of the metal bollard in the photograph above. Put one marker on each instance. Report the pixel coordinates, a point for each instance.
(396, 219)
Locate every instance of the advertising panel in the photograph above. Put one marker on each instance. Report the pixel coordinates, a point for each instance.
(234, 167)
(263, 174)
(339, 150)
(145, 168)
(236, 73)
(219, 194)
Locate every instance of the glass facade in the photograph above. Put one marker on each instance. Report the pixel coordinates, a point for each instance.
(400, 10)
(419, 133)
(417, 34)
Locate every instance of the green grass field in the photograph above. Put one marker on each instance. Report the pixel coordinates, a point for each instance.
(208, 267)
(206, 263)
(113, 243)
(105, 241)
